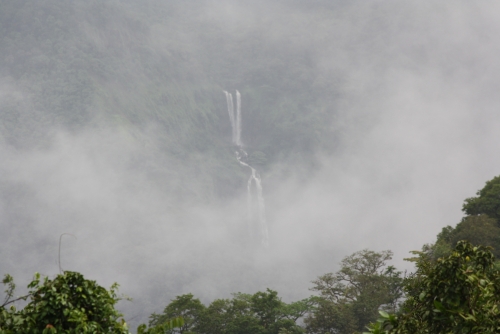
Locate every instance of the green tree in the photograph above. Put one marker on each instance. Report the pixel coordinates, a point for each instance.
(260, 313)
(478, 230)
(69, 303)
(331, 317)
(162, 328)
(351, 297)
(274, 315)
(480, 226)
(459, 293)
(185, 306)
(487, 201)
(217, 317)
(236, 315)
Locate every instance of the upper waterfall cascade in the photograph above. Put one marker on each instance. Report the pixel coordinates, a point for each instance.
(255, 199)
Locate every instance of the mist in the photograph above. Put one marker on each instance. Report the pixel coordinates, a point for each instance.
(407, 96)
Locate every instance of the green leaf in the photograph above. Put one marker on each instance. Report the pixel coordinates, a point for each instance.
(422, 295)
(384, 314)
(438, 306)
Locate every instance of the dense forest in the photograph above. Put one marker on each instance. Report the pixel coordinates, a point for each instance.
(364, 126)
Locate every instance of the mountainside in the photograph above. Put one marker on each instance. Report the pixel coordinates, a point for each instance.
(160, 67)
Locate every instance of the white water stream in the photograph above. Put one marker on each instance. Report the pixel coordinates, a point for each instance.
(254, 196)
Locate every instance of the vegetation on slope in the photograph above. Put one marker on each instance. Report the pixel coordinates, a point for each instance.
(156, 70)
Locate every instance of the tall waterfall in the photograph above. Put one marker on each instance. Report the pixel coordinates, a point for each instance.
(255, 199)
(238, 119)
(230, 109)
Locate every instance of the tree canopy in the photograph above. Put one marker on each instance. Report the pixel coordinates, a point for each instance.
(478, 230)
(260, 313)
(69, 303)
(480, 226)
(487, 202)
(459, 293)
(351, 297)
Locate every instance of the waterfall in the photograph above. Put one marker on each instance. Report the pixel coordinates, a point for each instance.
(230, 109)
(238, 119)
(262, 209)
(254, 182)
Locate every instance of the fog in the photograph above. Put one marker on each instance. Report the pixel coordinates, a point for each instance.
(414, 89)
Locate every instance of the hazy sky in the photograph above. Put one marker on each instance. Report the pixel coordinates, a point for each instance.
(418, 128)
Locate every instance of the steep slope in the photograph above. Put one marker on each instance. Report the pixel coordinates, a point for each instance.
(158, 67)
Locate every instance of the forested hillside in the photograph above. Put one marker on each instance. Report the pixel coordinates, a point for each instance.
(161, 67)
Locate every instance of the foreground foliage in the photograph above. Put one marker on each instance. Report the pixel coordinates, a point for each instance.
(67, 304)
(459, 293)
